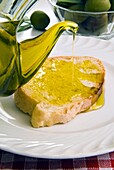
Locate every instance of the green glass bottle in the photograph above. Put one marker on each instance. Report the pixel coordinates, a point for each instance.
(19, 61)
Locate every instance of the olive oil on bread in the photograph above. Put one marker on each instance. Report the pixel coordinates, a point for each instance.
(50, 98)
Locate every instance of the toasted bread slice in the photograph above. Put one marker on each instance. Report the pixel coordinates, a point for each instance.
(62, 88)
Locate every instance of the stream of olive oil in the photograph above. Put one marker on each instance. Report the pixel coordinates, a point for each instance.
(100, 102)
(73, 43)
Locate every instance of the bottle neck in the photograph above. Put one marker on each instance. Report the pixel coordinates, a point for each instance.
(16, 8)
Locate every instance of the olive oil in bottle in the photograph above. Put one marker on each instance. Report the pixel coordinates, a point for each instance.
(19, 61)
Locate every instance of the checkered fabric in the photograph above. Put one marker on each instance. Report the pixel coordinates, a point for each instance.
(10, 161)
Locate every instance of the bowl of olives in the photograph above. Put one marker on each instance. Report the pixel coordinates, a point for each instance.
(94, 17)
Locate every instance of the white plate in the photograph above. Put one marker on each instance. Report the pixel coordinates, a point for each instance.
(86, 135)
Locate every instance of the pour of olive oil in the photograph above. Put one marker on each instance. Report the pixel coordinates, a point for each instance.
(100, 101)
(73, 43)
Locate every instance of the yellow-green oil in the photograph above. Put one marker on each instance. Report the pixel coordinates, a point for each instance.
(53, 83)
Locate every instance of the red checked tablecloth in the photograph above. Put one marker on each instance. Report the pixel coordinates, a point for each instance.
(12, 161)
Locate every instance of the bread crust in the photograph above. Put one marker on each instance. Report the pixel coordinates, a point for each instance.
(44, 114)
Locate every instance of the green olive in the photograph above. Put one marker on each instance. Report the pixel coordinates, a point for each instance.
(97, 5)
(77, 17)
(39, 20)
(95, 23)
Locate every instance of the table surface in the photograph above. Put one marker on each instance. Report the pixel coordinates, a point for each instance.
(13, 161)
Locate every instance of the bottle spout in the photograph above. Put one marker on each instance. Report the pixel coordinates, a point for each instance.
(60, 27)
(35, 51)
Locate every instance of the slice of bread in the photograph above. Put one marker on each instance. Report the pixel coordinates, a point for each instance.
(62, 88)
